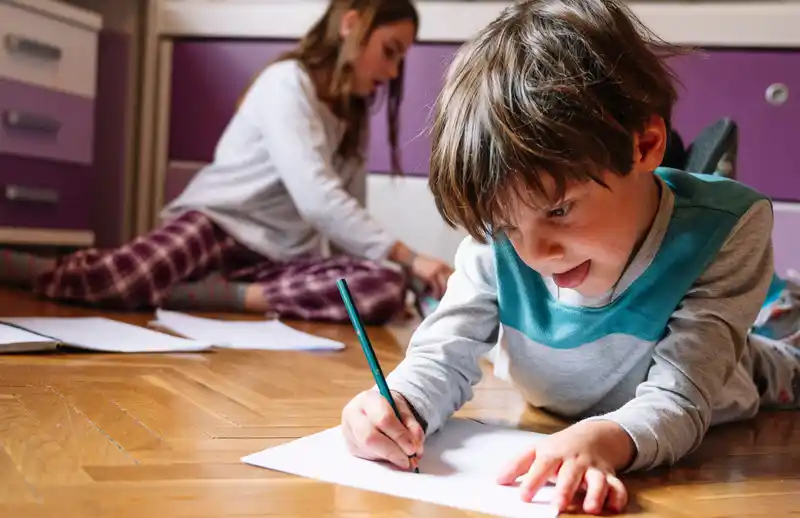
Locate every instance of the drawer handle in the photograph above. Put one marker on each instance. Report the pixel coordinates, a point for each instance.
(18, 120)
(24, 45)
(777, 94)
(20, 193)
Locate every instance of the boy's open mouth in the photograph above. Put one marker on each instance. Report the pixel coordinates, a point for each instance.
(574, 277)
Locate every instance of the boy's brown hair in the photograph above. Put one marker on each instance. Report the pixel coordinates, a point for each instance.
(554, 87)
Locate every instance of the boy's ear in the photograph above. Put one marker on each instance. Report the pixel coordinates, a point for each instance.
(650, 145)
(349, 23)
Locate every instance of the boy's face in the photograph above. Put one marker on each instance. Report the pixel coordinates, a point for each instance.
(585, 242)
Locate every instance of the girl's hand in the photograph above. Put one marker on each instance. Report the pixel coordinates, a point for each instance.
(433, 272)
(584, 456)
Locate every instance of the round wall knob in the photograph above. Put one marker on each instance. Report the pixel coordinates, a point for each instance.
(777, 94)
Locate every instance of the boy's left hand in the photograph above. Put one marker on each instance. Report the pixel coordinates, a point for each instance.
(586, 455)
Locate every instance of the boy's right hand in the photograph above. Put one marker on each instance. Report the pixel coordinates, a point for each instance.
(373, 432)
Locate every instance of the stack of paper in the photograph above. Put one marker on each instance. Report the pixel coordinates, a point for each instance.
(458, 469)
(92, 333)
(266, 334)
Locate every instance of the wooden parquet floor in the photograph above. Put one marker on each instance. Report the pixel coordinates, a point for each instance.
(91, 435)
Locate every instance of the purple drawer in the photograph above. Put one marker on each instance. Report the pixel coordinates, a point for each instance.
(208, 79)
(426, 65)
(786, 237)
(45, 194)
(178, 177)
(732, 83)
(42, 123)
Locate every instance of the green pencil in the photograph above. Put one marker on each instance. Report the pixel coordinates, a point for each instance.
(366, 345)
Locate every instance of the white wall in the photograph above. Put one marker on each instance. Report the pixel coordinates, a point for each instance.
(406, 208)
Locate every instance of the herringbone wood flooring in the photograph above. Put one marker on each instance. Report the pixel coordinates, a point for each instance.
(87, 434)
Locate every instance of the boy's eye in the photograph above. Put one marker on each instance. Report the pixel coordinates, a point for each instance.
(560, 211)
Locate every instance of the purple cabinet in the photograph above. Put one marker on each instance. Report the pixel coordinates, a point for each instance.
(760, 91)
(426, 65)
(178, 177)
(208, 79)
(110, 146)
(45, 194)
(37, 122)
(210, 76)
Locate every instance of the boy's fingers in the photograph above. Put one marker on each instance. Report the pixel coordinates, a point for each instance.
(417, 434)
(617, 497)
(375, 445)
(596, 491)
(350, 440)
(382, 416)
(516, 468)
(537, 476)
(570, 476)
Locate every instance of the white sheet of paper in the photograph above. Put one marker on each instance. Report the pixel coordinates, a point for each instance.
(14, 335)
(267, 334)
(14, 340)
(458, 469)
(103, 334)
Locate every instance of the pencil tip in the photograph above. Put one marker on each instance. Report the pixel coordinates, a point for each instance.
(416, 470)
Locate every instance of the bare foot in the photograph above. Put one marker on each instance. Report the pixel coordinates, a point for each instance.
(254, 299)
(21, 269)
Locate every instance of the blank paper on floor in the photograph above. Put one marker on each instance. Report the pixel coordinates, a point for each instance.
(13, 339)
(262, 334)
(103, 334)
(459, 468)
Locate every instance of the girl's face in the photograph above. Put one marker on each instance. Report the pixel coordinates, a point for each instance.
(380, 57)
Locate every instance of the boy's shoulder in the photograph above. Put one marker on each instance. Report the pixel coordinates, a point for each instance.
(712, 193)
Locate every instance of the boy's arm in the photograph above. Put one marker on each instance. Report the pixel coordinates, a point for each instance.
(442, 362)
(705, 340)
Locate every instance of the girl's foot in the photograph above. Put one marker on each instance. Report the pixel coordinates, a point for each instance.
(21, 269)
(213, 293)
(255, 301)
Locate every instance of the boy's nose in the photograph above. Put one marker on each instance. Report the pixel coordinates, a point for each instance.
(544, 249)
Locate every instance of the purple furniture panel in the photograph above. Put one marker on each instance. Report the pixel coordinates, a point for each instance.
(42, 123)
(45, 194)
(730, 83)
(208, 79)
(426, 65)
(110, 137)
(786, 238)
(178, 177)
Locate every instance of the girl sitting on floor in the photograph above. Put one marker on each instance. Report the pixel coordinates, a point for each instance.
(247, 233)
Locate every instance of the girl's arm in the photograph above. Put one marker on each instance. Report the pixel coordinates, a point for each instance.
(282, 103)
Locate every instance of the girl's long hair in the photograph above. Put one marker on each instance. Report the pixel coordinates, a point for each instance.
(322, 49)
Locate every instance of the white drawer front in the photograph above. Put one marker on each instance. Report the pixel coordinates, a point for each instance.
(47, 52)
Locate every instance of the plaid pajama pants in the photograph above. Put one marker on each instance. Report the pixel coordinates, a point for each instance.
(188, 248)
